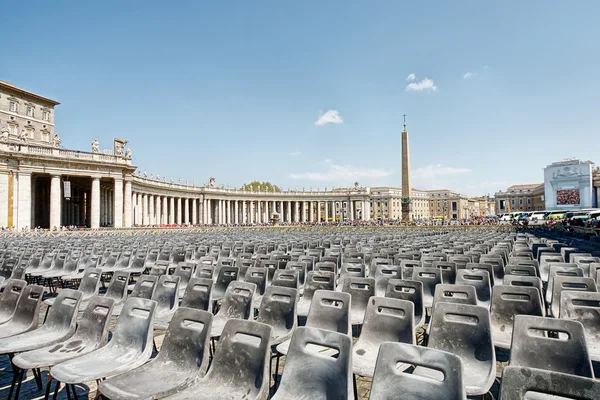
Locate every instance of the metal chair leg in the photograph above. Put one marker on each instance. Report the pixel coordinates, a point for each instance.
(355, 388)
(48, 385)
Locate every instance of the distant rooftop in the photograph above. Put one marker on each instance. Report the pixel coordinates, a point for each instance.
(28, 93)
(526, 186)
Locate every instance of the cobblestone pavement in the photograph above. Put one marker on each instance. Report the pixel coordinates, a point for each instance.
(30, 391)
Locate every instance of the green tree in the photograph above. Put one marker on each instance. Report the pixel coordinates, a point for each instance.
(262, 186)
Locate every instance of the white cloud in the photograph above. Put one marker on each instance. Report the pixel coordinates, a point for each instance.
(411, 77)
(342, 173)
(425, 85)
(295, 153)
(435, 170)
(329, 117)
(468, 75)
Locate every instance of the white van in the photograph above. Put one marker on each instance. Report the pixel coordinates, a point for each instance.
(538, 217)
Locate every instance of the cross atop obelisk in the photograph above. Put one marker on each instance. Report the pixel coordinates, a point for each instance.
(406, 189)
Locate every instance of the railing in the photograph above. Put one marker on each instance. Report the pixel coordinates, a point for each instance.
(55, 152)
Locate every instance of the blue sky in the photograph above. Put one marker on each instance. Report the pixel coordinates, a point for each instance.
(311, 93)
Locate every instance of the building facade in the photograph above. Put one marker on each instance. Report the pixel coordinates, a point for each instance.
(568, 185)
(529, 197)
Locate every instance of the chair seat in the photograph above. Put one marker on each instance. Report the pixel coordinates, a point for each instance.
(364, 358)
(35, 339)
(98, 364)
(52, 355)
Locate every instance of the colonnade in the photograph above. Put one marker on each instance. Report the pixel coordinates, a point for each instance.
(155, 209)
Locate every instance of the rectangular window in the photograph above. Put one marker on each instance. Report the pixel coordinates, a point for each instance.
(45, 115)
(29, 111)
(529, 200)
(13, 106)
(520, 202)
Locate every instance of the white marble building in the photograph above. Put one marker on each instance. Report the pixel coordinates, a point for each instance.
(568, 185)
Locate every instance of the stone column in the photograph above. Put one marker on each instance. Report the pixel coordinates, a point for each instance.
(194, 211)
(24, 201)
(333, 212)
(318, 211)
(228, 212)
(258, 214)
(164, 211)
(171, 210)
(55, 201)
(236, 210)
(289, 211)
(179, 211)
(145, 209)
(326, 211)
(209, 219)
(296, 211)
(127, 205)
(311, 211)
(251, 213)
(118, 203)
(157, 212)
(95, 217)
(186, 208)
(150, 209)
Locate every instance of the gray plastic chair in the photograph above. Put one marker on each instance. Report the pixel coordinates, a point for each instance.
(526, 281)
(240, 368)
(390, 384)
(382, 275)
(545, 262)
(286, 278)
(531, 383)
(183, 358)
(258, 276)
(351, 270)
(314, 281)
(386, 320)
(89, 287)
(458, 294)
(91, 333)
(558, 269)
(585, 308)
(465, 330)
(551, 344)
(10, 298)
(205, 271)
(26, 315)
(508, 301)
(166, 296)
(184, 271)
(478, 278)
(408, 290)
(327, 377)
(198, 294)
(117, 288)
(130, 347)
(278, 310)
(237, 304)
(225, 276)
(59, 326)
(301, 267)
(144, 289)
(497, 263)
(329, 310)
(483, 267)
(360, 290)
(520, 270)
(448, 270)
(430, 277)
(562, 283)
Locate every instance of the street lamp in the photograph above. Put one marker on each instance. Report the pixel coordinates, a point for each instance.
(444, 212)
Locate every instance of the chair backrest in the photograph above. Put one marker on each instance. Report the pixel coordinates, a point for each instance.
(10, 297)
(520, 270)
(430, 277)
(523, 383)
(459, 294)
(411, 291)
(90, 283)
(258, 276)
(242, 358)
(508, 301)
(318, 281)
(278, 309)
(286, 278)
(184, 271)
(93, 324)
(187, 340)
(198, 294)
(330, 310)
(134, 326)
(309, 260)
(227, 274)
(237, 302)
(145, 286)
(360, 290)
(389, 320)
(448, 270)
(205, 271)
(483, 267)
(464, 330)
(328, 377)
(117, 288)
(569, 283)
(299, 266)
(557, 269)
(28, 307)
(166, 293)
(382, 275)
(545, 262)
(326, 266)
(585, 308)
(388, 382)
(550, 343)
(63, 313)
(478, 278)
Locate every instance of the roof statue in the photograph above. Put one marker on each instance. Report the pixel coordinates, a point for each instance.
(57, 140)
(95, 146)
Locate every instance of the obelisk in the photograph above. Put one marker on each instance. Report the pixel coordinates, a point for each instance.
(406, 190)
